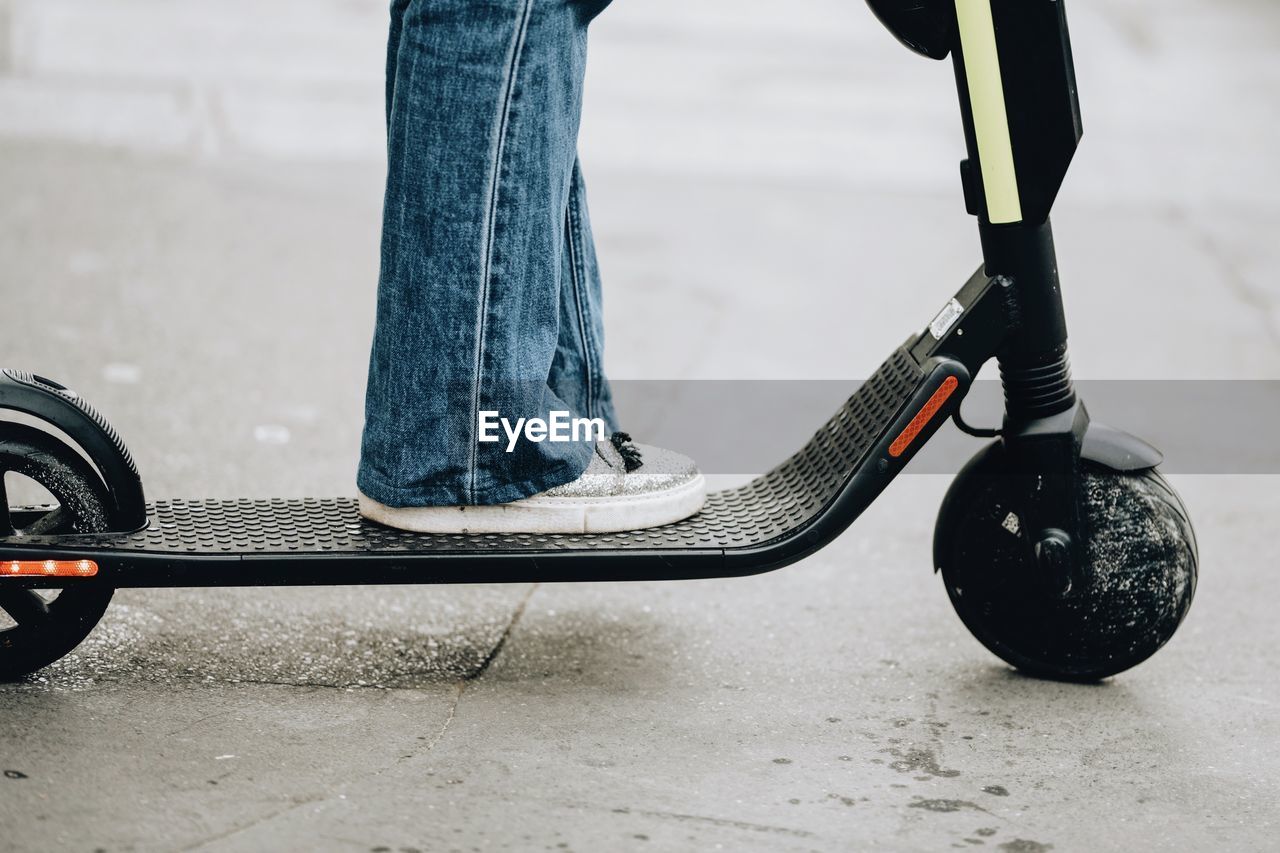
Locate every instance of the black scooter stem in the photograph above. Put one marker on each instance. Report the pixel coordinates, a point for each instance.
(772, 521)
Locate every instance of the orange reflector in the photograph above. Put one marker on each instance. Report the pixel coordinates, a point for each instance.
(49, 568)
(921, 420)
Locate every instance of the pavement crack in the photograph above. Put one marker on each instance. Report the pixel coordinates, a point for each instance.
(458, 690)
(502, 640)
(311, 685)
(461, 687)
(244, 827)
(717, 821)
(448, 720)
(192, 725)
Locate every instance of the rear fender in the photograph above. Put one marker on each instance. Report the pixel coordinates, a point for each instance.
(67, 411)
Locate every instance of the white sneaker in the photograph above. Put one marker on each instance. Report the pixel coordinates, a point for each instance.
(626, 486)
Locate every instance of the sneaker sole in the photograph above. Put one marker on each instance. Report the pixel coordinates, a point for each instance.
(546, 515)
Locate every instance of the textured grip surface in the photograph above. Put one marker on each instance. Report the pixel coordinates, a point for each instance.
(765, 509)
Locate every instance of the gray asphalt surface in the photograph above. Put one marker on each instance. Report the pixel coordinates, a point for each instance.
(189, 198)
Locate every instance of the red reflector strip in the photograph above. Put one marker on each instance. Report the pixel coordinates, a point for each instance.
(49, 568)
(922, 418)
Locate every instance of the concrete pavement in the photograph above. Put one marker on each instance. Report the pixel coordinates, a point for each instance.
(189, 203)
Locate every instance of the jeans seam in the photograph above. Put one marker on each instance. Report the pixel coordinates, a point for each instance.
(394, 67)
(572, 222)
(402, 212)
(482, 309)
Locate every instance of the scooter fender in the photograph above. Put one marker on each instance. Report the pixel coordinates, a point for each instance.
(64, 409)
(1118, 450)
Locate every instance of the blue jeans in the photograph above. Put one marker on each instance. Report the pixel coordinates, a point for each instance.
(489, 294)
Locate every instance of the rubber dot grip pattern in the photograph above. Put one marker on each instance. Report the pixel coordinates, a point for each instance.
(768, 507)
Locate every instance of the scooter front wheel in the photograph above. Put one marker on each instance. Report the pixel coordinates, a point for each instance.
(1135, 584)
(39, 626)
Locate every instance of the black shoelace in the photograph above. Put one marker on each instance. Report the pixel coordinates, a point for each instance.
(631, 459)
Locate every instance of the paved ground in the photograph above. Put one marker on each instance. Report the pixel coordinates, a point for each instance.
(188, 221)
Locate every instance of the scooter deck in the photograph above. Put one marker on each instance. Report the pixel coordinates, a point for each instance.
(775, 519)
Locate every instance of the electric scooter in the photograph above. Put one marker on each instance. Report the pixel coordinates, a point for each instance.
(1061, 547)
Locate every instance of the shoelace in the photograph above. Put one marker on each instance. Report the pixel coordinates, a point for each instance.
(631, 458)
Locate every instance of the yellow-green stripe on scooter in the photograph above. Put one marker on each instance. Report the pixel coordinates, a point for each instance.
(990, 118)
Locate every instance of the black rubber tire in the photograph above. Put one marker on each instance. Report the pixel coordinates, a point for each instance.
(1135, 587)
(34, 644)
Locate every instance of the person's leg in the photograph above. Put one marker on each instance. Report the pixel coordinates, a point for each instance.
(482, 128)
(489, 297)
(577, 372)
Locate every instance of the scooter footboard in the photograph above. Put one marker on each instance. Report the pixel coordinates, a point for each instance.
(816, 494)
(771, 521)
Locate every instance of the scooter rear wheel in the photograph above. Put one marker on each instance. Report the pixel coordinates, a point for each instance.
(39, 626)
(1135, 586)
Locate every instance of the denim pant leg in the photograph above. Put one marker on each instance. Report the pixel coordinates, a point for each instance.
(577, 372)
(482, 123)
